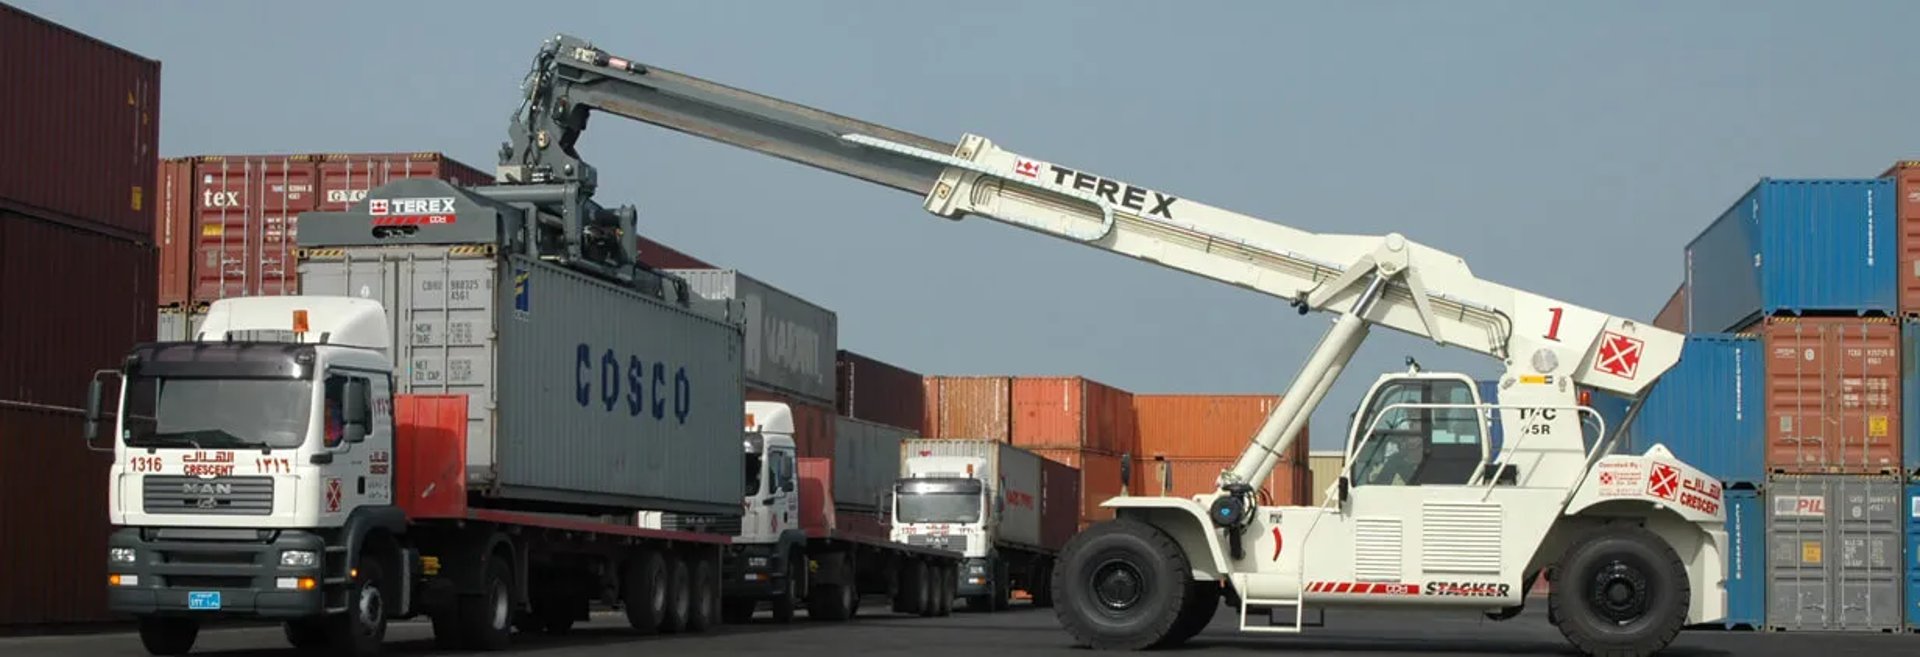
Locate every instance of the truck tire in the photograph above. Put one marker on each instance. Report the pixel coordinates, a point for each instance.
(703, 602)
(486, 620)
(363, 628)
(645, 592)
(1202, 604)
(930, 590)
(679, 596)
(1619, 592)
(168, 636)
(944, 585)
(1121, 585)
(1042, 587)
(1002, 586)
(833, 601)
(306, 634)
(787, 596)
(907, 594)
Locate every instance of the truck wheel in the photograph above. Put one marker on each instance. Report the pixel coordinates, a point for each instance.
(306, 633)
(168, 636)
(362, 629)
(943, 586)
(703, 600)
(1121, 585)
(645, 597)
(486, 620)
(1002, 587)
(1202, 603)
(787, 597)
(833, 601)
(906, 591)
(1620, 592)
(1042, 588)
(679, 596)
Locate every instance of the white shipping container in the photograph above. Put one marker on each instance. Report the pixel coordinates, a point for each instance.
(791, 343)
(1012, 474)
(178, 324)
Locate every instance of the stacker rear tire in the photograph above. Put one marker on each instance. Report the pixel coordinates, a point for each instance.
(645, 592)
(1620, 592)
(1122, 585)
(168, 636)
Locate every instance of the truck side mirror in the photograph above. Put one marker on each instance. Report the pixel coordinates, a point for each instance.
(95, 390)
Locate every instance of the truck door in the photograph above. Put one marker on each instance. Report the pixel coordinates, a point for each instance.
(361, 472)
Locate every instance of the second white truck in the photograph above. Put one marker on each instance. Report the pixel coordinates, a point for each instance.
(987, 501)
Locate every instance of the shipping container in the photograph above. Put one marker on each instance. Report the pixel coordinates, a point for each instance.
(866, 462)
(1710, 409)
(660, 256)
(1910, 395)
(1746, 560)
(1067, 412)
(1833, 395)
(876, 391)
(1013, 474)
(1905, 177)
(813, 425)
(1834, 552)
(791, 342)
(614, 398)
(1206, 426)
(178, 324)
(81, 127)
(1059, 502)
(1324, 468)
(1102, 477)
(47, 548)
(1794, 247)
(1185, 478)
(1673, 316)
(72, 301)
(246, 211)
(174, 231)
(969, 408)
(1913, 556)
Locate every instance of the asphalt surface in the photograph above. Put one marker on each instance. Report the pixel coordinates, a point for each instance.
(1023, 631)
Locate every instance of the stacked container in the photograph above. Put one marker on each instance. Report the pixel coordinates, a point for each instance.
(876, 391)
(79, 121)
(1186, 441)
(790, 349)
(1709, 410)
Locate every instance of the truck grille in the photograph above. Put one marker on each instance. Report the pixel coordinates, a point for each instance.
(948, 543)
(700, 524)
(211, 496)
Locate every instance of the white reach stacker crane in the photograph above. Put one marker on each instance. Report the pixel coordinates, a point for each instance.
(1424, 514)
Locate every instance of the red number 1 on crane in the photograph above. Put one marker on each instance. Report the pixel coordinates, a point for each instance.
(1553, 329)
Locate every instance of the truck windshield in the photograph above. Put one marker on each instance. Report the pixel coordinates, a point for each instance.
(957, 507)
(217, 413)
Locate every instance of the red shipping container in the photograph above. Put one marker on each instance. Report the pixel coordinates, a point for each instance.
(1060, 504)
(53, 519)
(1289, 485)
(80, 121)
(969, 408)
(1673, 316)
(174, 230)
(1832, 395)
(660, 256)
(880, 392)
(71, 301)
(1206, 426)
(1100, 479)
(1906, 185)
(345, 178)
(1072, 412)
(813, 427)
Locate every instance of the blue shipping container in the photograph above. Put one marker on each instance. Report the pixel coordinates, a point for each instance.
(1792, 246)
(1611, 409)
(1746, 560)
(1910, 394)
(1913, 557)
(1710, 409)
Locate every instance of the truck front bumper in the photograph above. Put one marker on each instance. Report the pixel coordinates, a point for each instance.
(752, 571)
(217, 573)
(976, 579)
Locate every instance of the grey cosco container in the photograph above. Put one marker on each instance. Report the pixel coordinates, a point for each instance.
(580, 392)
(1834, 553)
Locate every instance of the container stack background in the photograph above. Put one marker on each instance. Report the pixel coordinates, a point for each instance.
(1800, 306)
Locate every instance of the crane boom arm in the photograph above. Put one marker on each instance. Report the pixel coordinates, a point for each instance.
(1425, 292)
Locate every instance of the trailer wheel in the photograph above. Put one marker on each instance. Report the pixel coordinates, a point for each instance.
(645, 594)
(168, 636)
(1002, 586)
(486, 620)
(703, 602)
(907, 594)
(833, 601)
(1121, 585)
(679, 596)
(1203, 602)
(363, 628)
(1620, 592)
(1042, 587)
(945, 584)
(787, 597)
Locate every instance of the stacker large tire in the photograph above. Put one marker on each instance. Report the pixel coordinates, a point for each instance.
(1121, 585)
(1619, 592)
(679, 596)
(363, 628)
(644, 594)
(168, 636)
(704, 598)
(486, 620)
(1202, 604)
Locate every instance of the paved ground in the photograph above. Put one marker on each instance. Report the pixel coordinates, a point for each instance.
(1027, 632)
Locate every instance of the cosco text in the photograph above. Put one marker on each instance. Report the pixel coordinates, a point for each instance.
(641, 387)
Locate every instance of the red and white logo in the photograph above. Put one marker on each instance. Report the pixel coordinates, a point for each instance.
(333, 494)
(377, 207)
(1619, 355)
(1026, 167)
(1665, 481)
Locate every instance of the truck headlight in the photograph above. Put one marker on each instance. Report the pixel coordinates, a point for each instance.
(298, 558)
(120, 555)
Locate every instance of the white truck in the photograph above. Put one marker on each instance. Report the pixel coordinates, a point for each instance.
(1424, 515)
(988, 501)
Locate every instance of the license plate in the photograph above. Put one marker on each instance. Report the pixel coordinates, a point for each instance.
(203, 600)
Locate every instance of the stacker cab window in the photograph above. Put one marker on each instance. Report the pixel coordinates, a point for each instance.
(1419, 446)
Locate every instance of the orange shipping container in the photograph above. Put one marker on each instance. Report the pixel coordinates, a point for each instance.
(173, 230)
(1832, 395)
(813, 427)
(1099, 480)
(1072, 412)
(1206, 426)
(1906, 197)
(1289, 485)
(970, 408)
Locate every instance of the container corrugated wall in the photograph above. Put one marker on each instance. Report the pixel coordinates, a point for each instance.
(1913, 556)
(1323, 468)
(1834, 552)
(1102, 478)
(615, 399)
(1710, 409)
(90, 295)
(1673, 316)
(1071, 412)
(1833, 395)
(1796, 246)
(1059, 503)
(1746, 560)
(866, 461)
(47, 549)
(177, 324)
(969, 407)
(344, 179)
(1910, 395)
(1204, 426)
(1187, 477)
(1905, 176)
(876, 391)
(174, 231)
(81, 121)
(791, 342)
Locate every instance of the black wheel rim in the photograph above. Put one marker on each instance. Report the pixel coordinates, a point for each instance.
(1117, 585)
(1620, 592)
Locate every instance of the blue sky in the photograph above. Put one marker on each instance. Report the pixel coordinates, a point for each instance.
(1571, 150)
